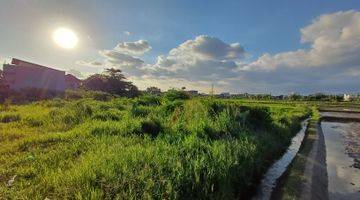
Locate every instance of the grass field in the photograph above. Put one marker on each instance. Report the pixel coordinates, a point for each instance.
(147, 147)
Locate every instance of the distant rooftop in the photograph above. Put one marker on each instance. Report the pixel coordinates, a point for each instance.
(18, 62)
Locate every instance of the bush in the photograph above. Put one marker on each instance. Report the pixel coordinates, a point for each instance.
(32, 94)
(74, 94)
(33, 122)
(172, 105)
(101, 96)
(112, 114)
(151, 126)
(139, 111)
(6, 118)
(259, 118)
(173, 94)
(79, 94)
(148, 100)
(122, 128)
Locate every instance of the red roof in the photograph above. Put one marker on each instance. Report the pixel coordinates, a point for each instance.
(71, 78)
(23, 63)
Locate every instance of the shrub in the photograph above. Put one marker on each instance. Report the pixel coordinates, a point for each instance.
(101, 96)
(148, 100)
(259, 118)
(34, 94)
(83, 110)
(74, 94)
(33, 122)
(173, 94)
(139, 111)
(151, 126)
(9, 117)
(6, 105)
(121, 128)
(112, 114)
(172, 105)
(80, 93)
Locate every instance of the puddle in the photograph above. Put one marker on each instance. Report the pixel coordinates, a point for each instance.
(268, 183)
(342, 148)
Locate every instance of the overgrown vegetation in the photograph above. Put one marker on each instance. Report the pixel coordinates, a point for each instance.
(142, 148)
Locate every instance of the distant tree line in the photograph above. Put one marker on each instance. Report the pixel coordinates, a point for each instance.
(293, 97)
(113, 81)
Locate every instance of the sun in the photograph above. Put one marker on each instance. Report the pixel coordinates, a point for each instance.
(65, 38)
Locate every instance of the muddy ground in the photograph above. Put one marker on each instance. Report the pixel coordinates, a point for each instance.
(352, 143)
(342, 140)
(315, 185)
(350, 132)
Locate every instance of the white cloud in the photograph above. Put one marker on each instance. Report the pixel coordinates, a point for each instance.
(127, 33)
(208, 48)
(75, 72)
(130, 65)
(334, 39)
(204, 58)
(89, 63)
(117, 58)
(330, 64)
(4, 60)
(135, 48)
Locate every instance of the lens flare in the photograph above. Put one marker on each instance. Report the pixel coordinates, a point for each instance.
(65, 38)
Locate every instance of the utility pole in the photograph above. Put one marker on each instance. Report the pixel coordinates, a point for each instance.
(212, 90)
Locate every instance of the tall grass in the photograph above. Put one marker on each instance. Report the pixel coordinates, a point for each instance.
(146, 147)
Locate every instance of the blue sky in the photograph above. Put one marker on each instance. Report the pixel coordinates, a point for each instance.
(178, 30)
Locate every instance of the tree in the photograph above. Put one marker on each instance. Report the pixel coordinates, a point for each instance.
(153, 90)
(116, 83)
(111, 81)
(294, 97)
(133, 91)
(1, 77)
(4, 89)
(95, 82)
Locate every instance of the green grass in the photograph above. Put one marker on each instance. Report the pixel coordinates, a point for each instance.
(148, 147)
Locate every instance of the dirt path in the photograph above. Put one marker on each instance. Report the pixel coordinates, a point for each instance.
(315, 185)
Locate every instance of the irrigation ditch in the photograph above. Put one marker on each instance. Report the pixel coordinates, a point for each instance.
(274, 173)
(326, 164)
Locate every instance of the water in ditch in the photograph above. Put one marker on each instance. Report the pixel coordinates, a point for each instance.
(268, 183)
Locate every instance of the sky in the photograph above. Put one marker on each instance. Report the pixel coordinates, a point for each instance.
(253, 46)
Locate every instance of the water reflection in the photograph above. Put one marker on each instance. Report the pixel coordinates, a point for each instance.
(271, 177)
(342, 140)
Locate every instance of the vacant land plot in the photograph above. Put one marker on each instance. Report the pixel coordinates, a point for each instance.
(148, 147)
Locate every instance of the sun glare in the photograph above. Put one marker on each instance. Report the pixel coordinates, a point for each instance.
(65, 38)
